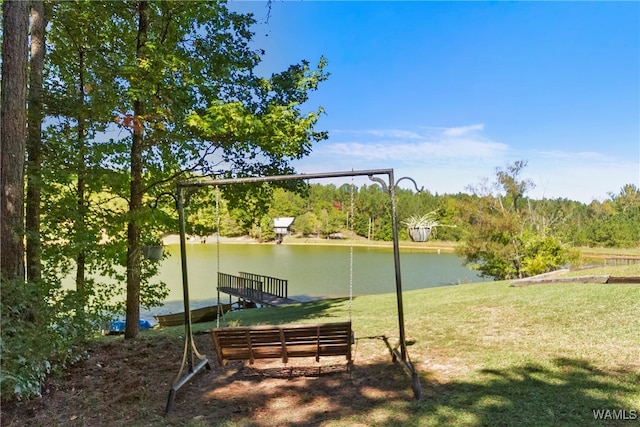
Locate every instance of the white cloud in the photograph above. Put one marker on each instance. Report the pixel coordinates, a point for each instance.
(448, 160)
(394, 134)
(420, 151)
(463, 130)
(414, 146)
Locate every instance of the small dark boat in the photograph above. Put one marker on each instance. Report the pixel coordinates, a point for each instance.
(199, 315)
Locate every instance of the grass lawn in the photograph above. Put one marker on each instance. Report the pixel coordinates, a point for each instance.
(610, 252)
(488, 354)
(491, 354)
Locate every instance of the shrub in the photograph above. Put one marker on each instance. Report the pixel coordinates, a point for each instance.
(42, 333)
(544, 253)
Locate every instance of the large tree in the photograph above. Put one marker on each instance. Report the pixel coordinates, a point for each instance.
(85, 42)
(13, 130)
(34, 142)
(196, 104)
(187, 102)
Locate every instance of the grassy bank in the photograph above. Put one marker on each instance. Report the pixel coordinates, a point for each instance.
(610, 252)
(488, 354)
(491, 354)
(430, 246)
(351, 239)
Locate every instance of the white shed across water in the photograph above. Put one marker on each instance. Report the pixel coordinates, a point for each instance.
(281, 226)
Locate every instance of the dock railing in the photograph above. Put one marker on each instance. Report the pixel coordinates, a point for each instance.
(242, 285)
(270, 285)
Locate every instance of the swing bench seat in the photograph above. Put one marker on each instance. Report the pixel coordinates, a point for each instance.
(283, 342)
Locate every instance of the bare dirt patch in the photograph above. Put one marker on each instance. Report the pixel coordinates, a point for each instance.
(126, 383)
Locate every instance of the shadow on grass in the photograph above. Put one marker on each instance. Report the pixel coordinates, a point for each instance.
(568, 393)
(561, 391)
(126, 383)
(379, 394)
(326, 309)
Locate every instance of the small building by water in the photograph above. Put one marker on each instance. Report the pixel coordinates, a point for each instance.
(282, 227)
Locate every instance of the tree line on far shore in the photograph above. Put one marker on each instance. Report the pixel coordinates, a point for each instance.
(501, 232)
(324, 209)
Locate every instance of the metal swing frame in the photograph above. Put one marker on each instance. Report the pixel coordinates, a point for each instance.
(191, 353)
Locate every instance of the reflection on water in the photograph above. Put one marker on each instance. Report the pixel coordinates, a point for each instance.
(313, 271)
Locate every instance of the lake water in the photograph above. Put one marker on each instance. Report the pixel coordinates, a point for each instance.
(313, 271)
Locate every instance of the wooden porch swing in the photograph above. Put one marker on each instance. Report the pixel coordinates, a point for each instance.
(280, 341)
(285, 341)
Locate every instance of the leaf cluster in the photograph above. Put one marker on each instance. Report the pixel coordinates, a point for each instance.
(43, 328)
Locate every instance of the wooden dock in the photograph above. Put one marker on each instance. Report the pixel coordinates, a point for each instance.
(256, 289)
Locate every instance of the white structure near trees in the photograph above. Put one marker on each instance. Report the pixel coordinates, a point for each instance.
(282, 227)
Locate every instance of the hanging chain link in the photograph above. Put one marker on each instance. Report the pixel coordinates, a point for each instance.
(351, 252)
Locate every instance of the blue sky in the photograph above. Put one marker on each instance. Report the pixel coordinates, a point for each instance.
(445, 92)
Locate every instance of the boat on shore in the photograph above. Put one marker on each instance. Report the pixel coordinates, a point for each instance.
(198, 315)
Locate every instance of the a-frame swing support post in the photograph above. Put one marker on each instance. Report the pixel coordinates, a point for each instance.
(402, 354)
(190, 351)
(404, 357)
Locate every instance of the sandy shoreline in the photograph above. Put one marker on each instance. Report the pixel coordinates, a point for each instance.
(447, 247)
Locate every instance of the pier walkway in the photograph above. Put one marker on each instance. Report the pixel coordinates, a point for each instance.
(255, 288)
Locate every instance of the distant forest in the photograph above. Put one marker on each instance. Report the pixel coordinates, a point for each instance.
(322, 210)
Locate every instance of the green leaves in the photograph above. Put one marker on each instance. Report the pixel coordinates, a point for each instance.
(176, 81)
(264, 134)
(615, 221)
(544, 253)
(41, 328)
(506, 241)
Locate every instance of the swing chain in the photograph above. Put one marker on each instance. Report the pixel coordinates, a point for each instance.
(218, 253)
(351, 252)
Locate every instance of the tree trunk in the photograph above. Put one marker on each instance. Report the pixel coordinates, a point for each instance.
(34, 142)
(135, 201)
(13, 133)
(81, 204)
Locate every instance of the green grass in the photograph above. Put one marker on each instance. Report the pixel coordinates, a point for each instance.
(619, 270)
(491, 354)
(610, 252)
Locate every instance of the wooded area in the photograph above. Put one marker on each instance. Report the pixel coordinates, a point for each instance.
(125, 98)
(321, 210)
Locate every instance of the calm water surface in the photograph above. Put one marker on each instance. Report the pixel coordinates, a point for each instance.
(313, 271)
